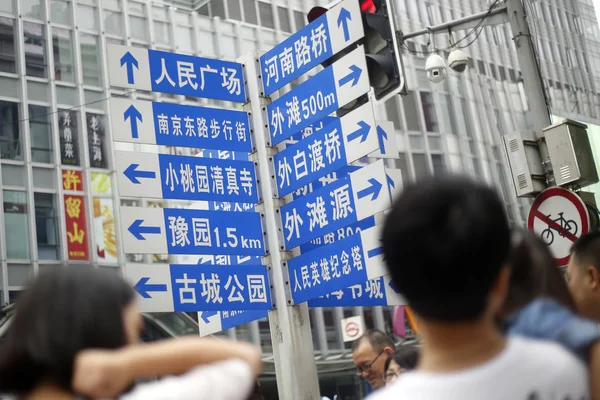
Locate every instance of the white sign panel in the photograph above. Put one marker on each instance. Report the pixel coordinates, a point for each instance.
(388, 141)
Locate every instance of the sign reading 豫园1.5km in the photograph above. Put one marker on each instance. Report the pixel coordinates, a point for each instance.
(188, 231)
(167, 176)
(335, 86)
(168, 124)
(161, 71)
(318, 41)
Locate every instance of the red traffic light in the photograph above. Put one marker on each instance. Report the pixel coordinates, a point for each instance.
(368, 6)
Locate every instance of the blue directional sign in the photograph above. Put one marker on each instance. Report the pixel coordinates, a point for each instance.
(224, 155)
(211, 322)
(161, 71)
(230, 260)
(371, 293)
(167, 176)
(337, 235)
(308, 131)
(343, 202)
(190, 288)
(346, 140)
(336, 266)
(178, 125)
(324, 180)
(324, 93)
(188, 231)
(321, 39)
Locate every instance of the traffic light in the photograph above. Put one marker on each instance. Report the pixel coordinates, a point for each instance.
(381, 47)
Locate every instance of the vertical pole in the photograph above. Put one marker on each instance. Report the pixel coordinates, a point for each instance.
(293, 351)
(532, 79)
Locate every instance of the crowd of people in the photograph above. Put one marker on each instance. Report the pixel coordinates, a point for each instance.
(497, 319)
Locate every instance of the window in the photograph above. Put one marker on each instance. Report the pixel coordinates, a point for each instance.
(7, 45)
(421, 169)
(113, 22)
(10, 135)
(86, 17)
(60, 12)
(391, 108)
(410, 111)
(162, 32)
(235, 11)
(62, 47)
(7, 6)
(266, 15)
(250, 11)
(89, 59)
(139, 29)
(431, 120)
(299, 19)
(45, 226)
(32, 8)
(218, 8)
(438, 164)
(16, 228)
(284, 19)
(35, 50)
(481, 67)
(41, 134)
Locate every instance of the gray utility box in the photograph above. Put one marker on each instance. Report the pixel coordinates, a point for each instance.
(526, 168)
(571, 154)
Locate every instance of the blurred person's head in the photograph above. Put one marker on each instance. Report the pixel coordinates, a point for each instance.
(583, 275)
(402, 360)
(446, 242)
(533, 274)
(62, 312)
(369, 353)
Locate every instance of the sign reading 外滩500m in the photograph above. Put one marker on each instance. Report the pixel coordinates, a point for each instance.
(161, 71)
(318, 41)
(335, 86)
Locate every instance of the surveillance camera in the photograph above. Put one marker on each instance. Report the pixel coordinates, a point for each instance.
(458, 60)
(436, 68)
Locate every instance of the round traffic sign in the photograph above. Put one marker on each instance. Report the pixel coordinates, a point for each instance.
(560, 217)
(352, 329)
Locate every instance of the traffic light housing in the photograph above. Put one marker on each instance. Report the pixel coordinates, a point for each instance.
(386, 73)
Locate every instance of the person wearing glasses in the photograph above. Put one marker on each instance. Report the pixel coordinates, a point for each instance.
(370, 353)
(402, 360)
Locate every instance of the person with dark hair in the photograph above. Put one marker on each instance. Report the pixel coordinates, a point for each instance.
(583, 275)
(446, 243)
(369, 353)
(76, 332)
(540, 306)
(402, 360)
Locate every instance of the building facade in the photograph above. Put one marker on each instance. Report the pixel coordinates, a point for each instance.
(58, 191)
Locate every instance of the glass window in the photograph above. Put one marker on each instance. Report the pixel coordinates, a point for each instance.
(235, 11)
(32, 8)
(113, 22)
(86, 17)
(89, 59)
(299, 19)
(45, 226)
(138, 28)
(266, 15)
(410, 112)
(431, 120)
(60, 12)
(16, 228)
(35, 49)
(112, 4)
(184, 38)
(250, 11)
(284, 19)
(421, 169)
(162, 32)
(391, 108)
(402, 164)
(438, 164)
(41, 134)
(218, 8)
(10, 134)
(62, 47)
(7, 6)
(7, 45)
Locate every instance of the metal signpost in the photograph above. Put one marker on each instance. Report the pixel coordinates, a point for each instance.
(332, 216)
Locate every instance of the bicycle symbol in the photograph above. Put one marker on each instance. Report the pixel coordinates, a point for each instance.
(567, 226)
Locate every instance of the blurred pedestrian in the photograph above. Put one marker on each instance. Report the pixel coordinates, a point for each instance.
(583, 275)
(402, 360)
(446, 243)
(76, 332)
(369, 353)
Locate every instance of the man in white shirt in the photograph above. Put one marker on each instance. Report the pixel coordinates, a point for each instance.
(446, 242)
